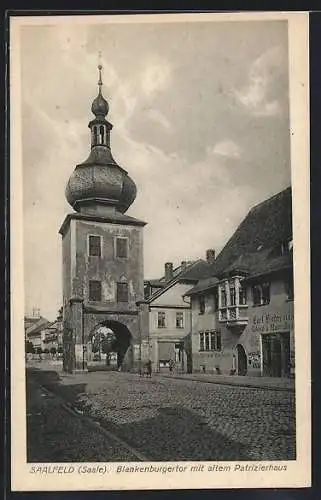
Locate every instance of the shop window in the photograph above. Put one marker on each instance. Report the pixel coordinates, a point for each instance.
(94, 246)
(201, 303)
(179, 320)
(161, 319)
(95, 291)
(122, 248)
(122, 292)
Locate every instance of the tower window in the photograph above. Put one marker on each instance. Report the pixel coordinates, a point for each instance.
(95, 291)
(101, 134)
(94, 244)
(95, 136)
(122, 292)
(122, 248)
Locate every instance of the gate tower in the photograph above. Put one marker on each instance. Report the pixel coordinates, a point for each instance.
(102, 251)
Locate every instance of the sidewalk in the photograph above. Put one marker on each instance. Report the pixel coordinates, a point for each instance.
(279, 384)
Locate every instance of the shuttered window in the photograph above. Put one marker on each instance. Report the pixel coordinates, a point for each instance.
(94, 246)
(122, 248)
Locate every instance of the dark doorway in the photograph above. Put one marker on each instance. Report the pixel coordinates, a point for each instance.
(241, 360)
(276, 354)
(112, 338)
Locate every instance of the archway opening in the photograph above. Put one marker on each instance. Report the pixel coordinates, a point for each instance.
(110, 342)
(241, 360)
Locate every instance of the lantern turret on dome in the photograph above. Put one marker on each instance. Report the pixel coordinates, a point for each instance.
(99, 184)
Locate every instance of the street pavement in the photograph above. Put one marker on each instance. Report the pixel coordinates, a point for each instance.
(180, 419)
(56, 435)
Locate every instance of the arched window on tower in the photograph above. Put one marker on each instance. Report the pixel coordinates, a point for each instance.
(101, 134)
(95, 136)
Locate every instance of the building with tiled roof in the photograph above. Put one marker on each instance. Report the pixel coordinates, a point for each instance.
(34, 327)
(165, 315)
(242, 311)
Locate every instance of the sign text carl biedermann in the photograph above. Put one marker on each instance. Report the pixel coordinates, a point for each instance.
(160, 469)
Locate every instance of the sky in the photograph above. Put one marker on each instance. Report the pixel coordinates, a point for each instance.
(201, 124)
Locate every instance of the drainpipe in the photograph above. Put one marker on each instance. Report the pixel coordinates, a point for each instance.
(189, 302)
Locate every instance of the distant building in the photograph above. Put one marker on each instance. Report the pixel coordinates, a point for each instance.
(53, 335)
(242, 312)
(102, 251)
(166, 316)
(34, 326)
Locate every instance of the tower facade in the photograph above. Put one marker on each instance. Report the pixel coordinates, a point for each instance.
(102, 251)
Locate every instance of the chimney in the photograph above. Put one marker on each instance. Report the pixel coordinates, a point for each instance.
(183, 265)
(168, 271)
(210, 255)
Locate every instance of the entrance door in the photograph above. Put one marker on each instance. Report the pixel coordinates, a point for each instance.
(276, 354)
(241, 360)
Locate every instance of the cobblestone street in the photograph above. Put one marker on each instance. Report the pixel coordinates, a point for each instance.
(174, 419)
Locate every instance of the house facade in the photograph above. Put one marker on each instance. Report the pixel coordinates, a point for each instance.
(166, 315)
(34, 330)
(242, 313)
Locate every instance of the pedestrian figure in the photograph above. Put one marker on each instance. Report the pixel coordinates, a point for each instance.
(171, 365)
(149, 368)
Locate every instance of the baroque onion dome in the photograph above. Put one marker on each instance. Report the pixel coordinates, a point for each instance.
(99, 181)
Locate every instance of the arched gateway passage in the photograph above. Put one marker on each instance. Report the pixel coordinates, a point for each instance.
(111, 339)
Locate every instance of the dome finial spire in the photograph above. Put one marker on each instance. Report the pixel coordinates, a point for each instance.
(100, 82)
(100, 105)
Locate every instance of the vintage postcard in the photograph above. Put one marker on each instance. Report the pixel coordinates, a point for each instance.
(160, 308)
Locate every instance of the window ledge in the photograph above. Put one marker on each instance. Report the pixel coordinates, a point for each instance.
(209, 350)
(261, 305)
